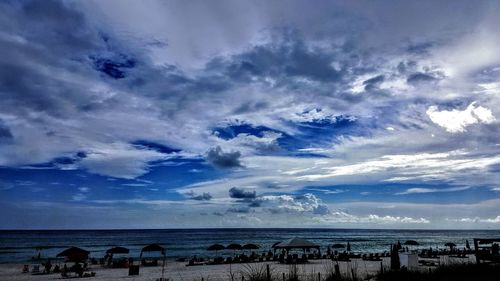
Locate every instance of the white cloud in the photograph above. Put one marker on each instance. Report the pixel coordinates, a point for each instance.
(328, 191)
(477, 220)
(456, 121)
(120, 160)
(491, 220)
(84, 189)
(432, 190)
(343, 217)
(301, 203)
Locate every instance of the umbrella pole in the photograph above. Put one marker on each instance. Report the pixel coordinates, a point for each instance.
(163, 268)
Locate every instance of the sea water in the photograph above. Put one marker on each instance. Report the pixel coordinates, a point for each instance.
(20, 245)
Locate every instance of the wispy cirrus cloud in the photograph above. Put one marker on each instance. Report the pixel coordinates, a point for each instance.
(416, 190)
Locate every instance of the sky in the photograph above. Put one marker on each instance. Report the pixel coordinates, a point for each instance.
(194, 114)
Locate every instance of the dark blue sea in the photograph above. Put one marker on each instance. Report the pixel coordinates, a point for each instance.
(20, 246)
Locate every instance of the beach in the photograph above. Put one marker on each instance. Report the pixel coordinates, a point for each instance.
(178, 271)
(19, 248)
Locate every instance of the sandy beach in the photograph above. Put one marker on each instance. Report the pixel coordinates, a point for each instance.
(178, 271)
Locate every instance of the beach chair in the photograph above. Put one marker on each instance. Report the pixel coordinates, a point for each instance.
(304, 258)
(36, 268)
(133, 270)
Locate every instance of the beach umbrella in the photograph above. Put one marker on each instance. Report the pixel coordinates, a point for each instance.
(348, 246)
(451, 245)
(153, 248)
(411, 243)
(118, 250)
(74, 254)
(156, 248)
(216, 248)
(467, 244)
(234, 247)
(250, 247)
(338, 246)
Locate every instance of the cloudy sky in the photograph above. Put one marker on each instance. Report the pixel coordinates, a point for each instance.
(170, 114)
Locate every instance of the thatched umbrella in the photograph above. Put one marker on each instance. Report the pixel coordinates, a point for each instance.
(74, 254)
(297, 243)
(274, 246)
(216, 248)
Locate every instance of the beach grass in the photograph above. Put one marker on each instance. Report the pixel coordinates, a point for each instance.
(462, 272)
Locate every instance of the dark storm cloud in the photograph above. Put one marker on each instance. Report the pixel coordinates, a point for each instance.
(220, 159)
(241, 193)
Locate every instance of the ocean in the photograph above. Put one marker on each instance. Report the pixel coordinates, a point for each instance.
(20, 245)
